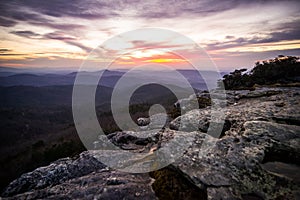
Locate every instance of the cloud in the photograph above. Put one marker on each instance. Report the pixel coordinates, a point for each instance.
(10, 20)
(244, 22)
(27, 34)
(7, 22)
(4, 50)
(283, 32)
(44, 13)
(68, 39)
(12, 54)
(34, 10)
(55, 8)
(58, 26)
(247, 59)
(7, 52)
(175, 8)
(141, 44)
(89, 9)
(14, 11)
(289, 31)
(172, 9)
(35, 13)
(29, 17)
(81, 46)
(57, 35)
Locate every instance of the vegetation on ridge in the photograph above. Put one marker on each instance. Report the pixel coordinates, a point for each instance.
(282, 69)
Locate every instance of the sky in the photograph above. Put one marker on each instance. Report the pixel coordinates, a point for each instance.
(61, 34)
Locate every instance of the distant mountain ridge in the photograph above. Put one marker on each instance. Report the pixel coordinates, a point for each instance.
(17, 96)
(18, 77)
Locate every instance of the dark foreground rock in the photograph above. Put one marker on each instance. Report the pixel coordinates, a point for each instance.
(257, 156)
(56, 173)
(80, 178)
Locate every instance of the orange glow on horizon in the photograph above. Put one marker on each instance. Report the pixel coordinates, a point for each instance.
(165, 60)
(149, 56)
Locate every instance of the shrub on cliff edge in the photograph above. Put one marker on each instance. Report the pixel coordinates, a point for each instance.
(282, 69)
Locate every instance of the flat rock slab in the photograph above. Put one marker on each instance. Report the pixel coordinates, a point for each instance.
(232, 164)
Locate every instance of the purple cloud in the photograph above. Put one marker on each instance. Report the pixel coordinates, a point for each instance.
(288, 31)
(57, 35)
(7, 22)
(27, 34)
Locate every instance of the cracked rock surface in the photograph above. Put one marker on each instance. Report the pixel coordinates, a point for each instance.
(256, 156)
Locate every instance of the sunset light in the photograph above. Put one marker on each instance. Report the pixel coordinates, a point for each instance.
(38, 36)
(149, 100)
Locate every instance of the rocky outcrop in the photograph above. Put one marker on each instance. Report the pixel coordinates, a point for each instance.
(256, 157)
(263, 104)
(80, 178)
(56, 173)
(232, 168)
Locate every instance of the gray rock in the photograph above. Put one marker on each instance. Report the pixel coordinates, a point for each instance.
(259, 92)
(137, 141)
(103, 184)
(194, 101)
(81, 178)
(143, 121)
(261, 108)
(234, 162)
(56, 173)
(156, 121)
(254, 158)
